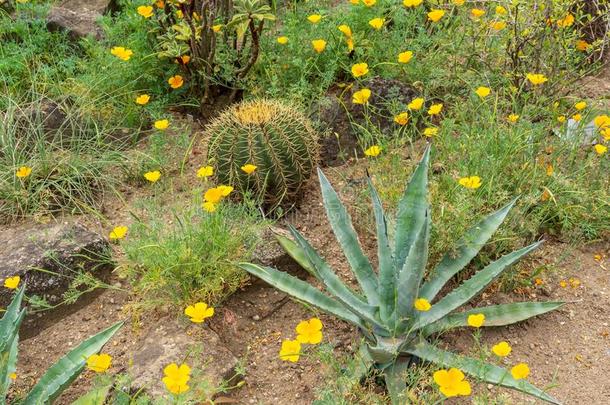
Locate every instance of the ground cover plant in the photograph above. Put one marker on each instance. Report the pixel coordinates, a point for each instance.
(190, 126)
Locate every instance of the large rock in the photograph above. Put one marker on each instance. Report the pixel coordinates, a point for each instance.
(47, 257)
(174, 340)
(79, 17)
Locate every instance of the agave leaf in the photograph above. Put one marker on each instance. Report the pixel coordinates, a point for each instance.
(471, 287)
(333, 283)
(412, 273)
(96, 396)
(395, 380)
(495, 315)
(9, 323)
(297, 254)
(411, 211)
(8, 357)
(303, 291)
(484, 371)
(343, 229)
(60, 375)
(468, 247)
(387, 276)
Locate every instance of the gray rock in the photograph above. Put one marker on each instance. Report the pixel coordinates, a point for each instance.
(79, 17)
(172, 340)
(47, 257)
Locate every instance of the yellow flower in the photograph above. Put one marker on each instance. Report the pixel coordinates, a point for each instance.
(176, 81)
(153, 176)
(282, 40)
(412, 3)
(538, 281)
(369, 3)
(199, 312)
(184, 59)
(350, 44)
(470, 182)
(500, 10)
(99, 362)
(179, 14)
(12, 376)
(435, 15)
(416, 104)
(598, 257)
(600, 149)
(361, 96)
(512, 118)
(602, 121)
(405, 57)
(563, 284)
(225, 190)
(430, 131)
(142, 99)
(213, 195)
(536, 78)
(422, 305)
(502, 349)
(498, 25)
(458, 2)
(549, 169)
(318, 45)
(476, 320)
(566, 21)
(217, 28)
(290, 351)
(373, 151)
(118, 232)
(145, 11)
(121, 52)
(435, 109)
(176, 378)
(354, 2)
(161, 124)
(452, 383)
(561, 119)
(360, 69)
(160, 3)
(582, 45)
(577, 117)
(205, 171)
(377, 23)
(209, 206)
(346, 30)
(248, 168)
(580, 105)
(309, 332)
(477, 13)
(23, 172)
(314, 18)
(402, 118)
(483, 91)
(520, 371)
(12, 282)
(605, 133)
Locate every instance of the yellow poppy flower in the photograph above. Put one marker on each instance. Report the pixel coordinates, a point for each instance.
(346, 30)
(501, 10)
(561, 119)
(146, 11)
(225, 190)
(373, 151)
(520, 371)
(360, 69)
(501, 349)
(536, 78)
(377, 23)
(600, 149)
(435, 109)
(99, 362)
(582, 45)
(436, 15)
(153, 176)
(143, 99)
(290, 351)
(402, 118)
(309, 332)
(416, 104)
(430, 131)
(361, 96)
(476, 320)
(318, 45)
(176, 378)
(483, 91)
(176, 81)
(205, 171)
(199, 312)
(282, 40)
(452, 383)
(458, 2)
(422, 305)
(369, 3)
(477, 13)
(498, 25)
(566, 21)
(580, 105)
(23, 172)
(118, 232)
(405, 57)
(12, 282)
(314, 18)
(512, 118)
(248, 168)
(412, 3)
(213, 195)
(161, 124)
(577, 117)
(472, 182)
(121, 52)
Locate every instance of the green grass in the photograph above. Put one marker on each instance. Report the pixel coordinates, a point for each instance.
(179, 255)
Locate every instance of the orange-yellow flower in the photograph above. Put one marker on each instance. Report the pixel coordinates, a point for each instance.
(346, 30)
(361, 96)
(121, 52)
(452, 383)
(435, 109)
(477, 13)
(436, 15)
(412, 3)
(162, 124)
(402, 118)
(176, 378)
(318, 45)
(176, 81)
(472, 182)
(309, 332)
(377, 23)
(600, 149)
(476, 320)
(225, 190)
(248, 168)
(213, 195)
(146, 11)
(99, 362)
(405, 57)
(360, 69)
(577, 117)
(501, 349)
(369, 3)
(209, 206)
(422, 305)
(290, 351)
(498, 25)
(520, 371)
(416, 104)
(23, 172)
(314, 18)
(12, 282)
(582, 45)
(566, 21)
(199, 312)
(373, 151)
(501, 10)
(143, 99)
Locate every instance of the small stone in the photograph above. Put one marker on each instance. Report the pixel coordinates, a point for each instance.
(256, 317)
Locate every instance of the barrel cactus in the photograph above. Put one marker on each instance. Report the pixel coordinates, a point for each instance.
(263, 147)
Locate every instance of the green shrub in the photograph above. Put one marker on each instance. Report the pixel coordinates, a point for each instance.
(276, 138)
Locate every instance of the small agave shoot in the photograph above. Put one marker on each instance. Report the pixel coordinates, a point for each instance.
(394, 331)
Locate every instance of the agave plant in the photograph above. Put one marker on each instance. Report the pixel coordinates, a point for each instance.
(395, 333)
(60, 375)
